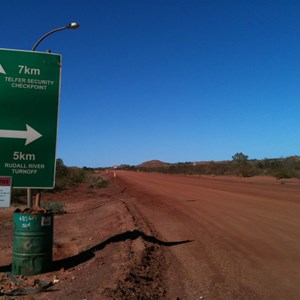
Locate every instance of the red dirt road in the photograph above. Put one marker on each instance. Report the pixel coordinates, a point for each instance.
(152, 236)
(244, 233)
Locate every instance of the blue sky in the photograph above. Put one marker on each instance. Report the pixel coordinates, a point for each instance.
(169, 80)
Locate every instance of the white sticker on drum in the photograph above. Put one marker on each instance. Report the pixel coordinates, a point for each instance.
(46, 221)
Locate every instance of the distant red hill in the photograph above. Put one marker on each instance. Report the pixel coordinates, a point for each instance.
(152, 164)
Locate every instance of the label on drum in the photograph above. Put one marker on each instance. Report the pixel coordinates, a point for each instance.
(46, 221)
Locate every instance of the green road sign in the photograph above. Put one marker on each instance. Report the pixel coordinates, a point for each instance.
(29, 102)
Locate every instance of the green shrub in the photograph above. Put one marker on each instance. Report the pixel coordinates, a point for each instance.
(57, 207)
(67, 176)
(97, 182)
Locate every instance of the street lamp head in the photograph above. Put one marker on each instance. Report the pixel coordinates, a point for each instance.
(73, 25)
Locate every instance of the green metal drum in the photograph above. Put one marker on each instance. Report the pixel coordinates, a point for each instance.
(32, 244)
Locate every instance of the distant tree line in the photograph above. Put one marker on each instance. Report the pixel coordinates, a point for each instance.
(240, 165)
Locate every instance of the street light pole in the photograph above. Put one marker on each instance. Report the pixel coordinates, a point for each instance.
(73, 25)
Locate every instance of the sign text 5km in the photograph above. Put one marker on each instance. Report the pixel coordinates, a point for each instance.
(29, 103)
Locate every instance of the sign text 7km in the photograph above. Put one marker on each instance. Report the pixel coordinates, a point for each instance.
(29, 103)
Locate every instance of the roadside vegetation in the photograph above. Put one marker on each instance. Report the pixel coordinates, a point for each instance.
(240, 165)
(65, 178)
(57, 207)
(97, 182)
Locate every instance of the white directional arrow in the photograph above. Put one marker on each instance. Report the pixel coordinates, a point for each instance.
(2, 70)
(29, 134)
